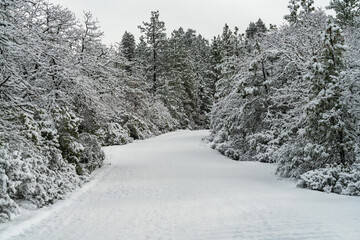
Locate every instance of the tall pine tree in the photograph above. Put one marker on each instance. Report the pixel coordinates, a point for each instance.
(155, 36)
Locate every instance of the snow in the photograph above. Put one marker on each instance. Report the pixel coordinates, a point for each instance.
(175, 187)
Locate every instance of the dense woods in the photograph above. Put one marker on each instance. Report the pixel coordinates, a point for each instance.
(290, 95)
(64, 94)
(287, 95)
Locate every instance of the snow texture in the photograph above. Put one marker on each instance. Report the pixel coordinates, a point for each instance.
(175, 187)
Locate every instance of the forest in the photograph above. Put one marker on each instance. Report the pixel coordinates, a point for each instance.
(277, 94)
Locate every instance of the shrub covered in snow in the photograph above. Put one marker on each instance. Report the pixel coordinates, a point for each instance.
(10, 168)
(43, 157)
(336, 179)
(113, 134)
(26, 177)
(91, 155)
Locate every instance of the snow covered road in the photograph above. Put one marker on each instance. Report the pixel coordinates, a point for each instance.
(176, 187)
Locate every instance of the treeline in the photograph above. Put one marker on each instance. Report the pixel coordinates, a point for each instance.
(290, 95)
(64, 94)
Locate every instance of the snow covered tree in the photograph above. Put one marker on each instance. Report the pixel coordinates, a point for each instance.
(266, 79)
(255, 29)
(329, 125)
(186, 89)
(346, 11)
(154, 33)
(127, 50)
(240, 114)
(260, 27)
(254, 33)
(231, 48)
(305, 6)
(128, 46)
(293, 7)
(292, 98)
(142, 56)
(91, 34)
(215, 59)
(206, 83)
(251, 30)
(326, 134)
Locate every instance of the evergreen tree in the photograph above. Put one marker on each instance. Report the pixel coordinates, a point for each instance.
(260, 27)
(154, 33)
(127, 47)
(251, 31)
(292, 98)
(226, 42)
(178, 74)
(186, 83)
(329, 125)
(346, 11)
(240, 112)
(254, 32)
(293, 7)
(216, 59)
(203, 67)
(142, 56)
(230, 47)
(307, 6)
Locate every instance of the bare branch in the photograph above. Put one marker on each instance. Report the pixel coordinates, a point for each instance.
(7, 79)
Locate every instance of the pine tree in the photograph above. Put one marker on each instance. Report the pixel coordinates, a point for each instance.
(142, 56)
(251, 31)
(307, 6)
(202, 64)
(293, 7)
(254, 32)
(260, 27)
(329, 125)
(226, 42)
(346, 11)
(229, 49)
(216, 59)
(127, 47)
(154, 33)
(256, 29)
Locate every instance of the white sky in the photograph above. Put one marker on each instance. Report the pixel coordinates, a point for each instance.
(207, 17)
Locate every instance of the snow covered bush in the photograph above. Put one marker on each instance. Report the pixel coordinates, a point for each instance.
(337, 179)
(51, 175)
(81, 150)
(265, 145)
(10, 168)
(26, 176)
(113, 134)
(67, 124)
(91, 156)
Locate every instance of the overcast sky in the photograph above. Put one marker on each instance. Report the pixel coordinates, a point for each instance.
(207, 17)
